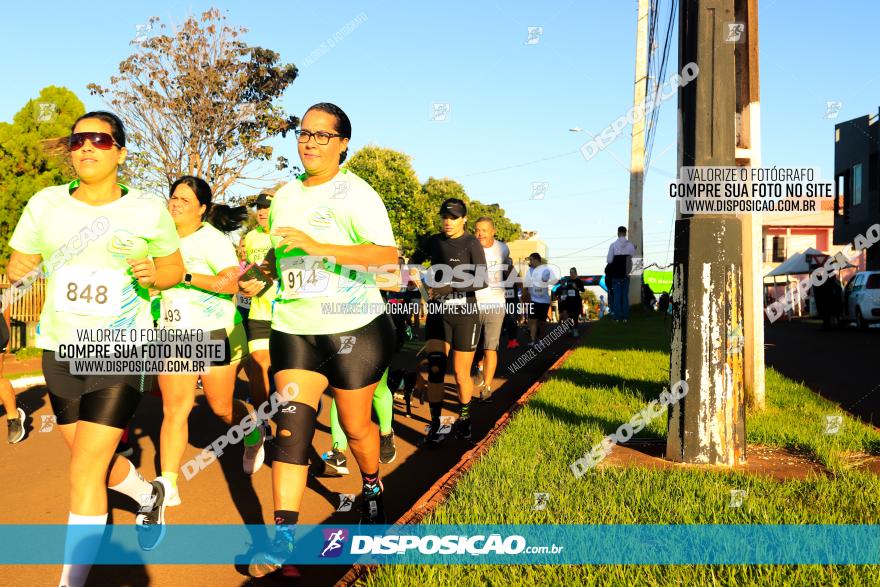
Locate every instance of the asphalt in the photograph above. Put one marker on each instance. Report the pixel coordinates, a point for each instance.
(840, 365)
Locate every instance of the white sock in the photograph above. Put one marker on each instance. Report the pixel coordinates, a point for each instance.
(134, 486)
(82, 544)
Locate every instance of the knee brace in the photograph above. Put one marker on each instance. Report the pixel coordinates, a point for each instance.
(296, 428)
(436, 367)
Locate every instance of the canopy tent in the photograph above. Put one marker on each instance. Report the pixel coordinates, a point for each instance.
(799, 263)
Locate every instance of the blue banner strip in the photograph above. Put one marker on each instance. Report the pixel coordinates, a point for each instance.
(451, 544)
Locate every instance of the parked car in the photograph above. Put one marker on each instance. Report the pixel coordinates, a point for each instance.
(861, 298)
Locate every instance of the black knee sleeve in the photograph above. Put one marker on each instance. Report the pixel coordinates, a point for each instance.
(296, 428)
(436, 367)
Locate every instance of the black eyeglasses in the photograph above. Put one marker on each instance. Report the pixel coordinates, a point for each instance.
(321, 137)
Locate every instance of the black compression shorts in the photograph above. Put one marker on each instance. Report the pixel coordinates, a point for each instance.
(349, 360)
(103, 399)
(538, 311)
(457, 325)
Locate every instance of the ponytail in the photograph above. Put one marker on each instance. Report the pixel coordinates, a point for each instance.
(226, 218)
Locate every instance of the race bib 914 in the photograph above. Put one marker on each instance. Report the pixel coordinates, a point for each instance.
(305, 277)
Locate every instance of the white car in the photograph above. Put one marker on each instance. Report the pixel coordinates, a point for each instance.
(861, 298)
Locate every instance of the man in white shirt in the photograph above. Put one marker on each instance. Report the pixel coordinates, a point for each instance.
(539, 279)
(491, 300)
(620, 255)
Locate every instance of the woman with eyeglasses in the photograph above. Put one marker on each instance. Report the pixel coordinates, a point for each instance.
(329, 326)
(102, 246)
(203, 300)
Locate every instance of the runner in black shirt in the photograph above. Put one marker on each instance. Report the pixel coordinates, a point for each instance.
(568, 292)
(458, 269)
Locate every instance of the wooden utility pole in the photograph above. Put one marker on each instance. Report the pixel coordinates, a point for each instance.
(637, 153)
(748, 153)
(708, 424)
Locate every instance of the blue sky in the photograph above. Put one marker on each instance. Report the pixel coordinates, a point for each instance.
(511, 103)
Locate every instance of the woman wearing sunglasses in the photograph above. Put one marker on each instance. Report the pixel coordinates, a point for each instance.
(84, 235)
(204, 300)
(329, 326)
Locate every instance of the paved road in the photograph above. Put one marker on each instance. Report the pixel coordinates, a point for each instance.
(842, 365)
(33, 475)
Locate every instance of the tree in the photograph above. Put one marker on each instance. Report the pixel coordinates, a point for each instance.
(30, 157)
(438, 190)
(200, 102)
(591, 304)
(390, 173)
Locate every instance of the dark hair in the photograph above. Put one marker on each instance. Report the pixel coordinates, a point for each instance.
(621, 230)
(485, 219)
(573, 269)
(343, 124)
(536, 256)
(222, 217)
(117, 129)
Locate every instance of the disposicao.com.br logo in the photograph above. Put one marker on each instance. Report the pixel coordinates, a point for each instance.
(477, 545)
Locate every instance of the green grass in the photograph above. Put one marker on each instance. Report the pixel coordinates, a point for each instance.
(28, 353)
(601, 387)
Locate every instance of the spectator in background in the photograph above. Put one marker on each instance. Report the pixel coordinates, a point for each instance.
(663, 304)
(619, 261)
(602, 307)
(648, 297)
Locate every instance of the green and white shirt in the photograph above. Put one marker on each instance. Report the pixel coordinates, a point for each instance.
(84, 249)
(257, 244)
(317, 296)
(207, 251)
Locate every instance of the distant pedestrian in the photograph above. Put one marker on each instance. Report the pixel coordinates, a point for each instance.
(663, 304)
(619, 261)
(602, 307)
(648, 298)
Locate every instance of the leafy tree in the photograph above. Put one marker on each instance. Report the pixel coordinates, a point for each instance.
(438, 190)
(199, 101)
(591, 304)
(390, 173)
(32, 155)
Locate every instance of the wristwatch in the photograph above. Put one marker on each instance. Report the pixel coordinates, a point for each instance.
(188, 278)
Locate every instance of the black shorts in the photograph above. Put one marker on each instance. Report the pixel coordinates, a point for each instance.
(349, 360)
(538, 311)
(258, 334)
(457, 325)
(103, 399)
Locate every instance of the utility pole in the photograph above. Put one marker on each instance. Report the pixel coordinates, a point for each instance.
(748, 153)
(707, 425)
(637, 153)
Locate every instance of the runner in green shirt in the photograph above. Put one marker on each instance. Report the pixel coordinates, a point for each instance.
(84, 236)
(329, 327)
(257, 244)
(203, 300)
